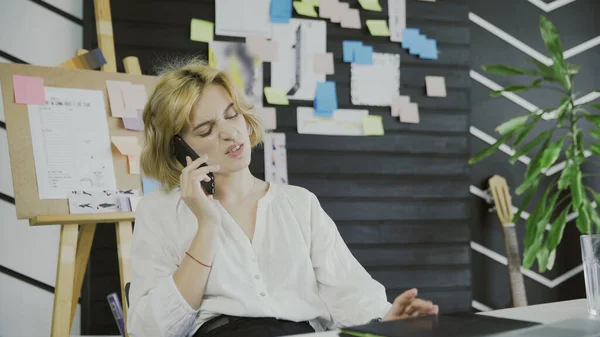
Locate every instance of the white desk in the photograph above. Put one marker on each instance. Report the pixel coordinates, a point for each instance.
(542, 313)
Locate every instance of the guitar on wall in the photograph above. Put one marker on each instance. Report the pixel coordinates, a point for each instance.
(503, 203)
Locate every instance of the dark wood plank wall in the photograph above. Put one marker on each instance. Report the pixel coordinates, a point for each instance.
(400, 201)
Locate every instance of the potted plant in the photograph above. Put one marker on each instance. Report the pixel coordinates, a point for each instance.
(566, 192)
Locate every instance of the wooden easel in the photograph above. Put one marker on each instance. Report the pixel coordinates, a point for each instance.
(77, 230)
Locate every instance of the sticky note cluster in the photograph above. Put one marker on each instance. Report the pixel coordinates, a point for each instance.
(127, 101)
(340, 12)
(419, 44)
(202, 30)
(406, 111)
(356, 52)
(280, 11)
(325, 99)
(29, 90)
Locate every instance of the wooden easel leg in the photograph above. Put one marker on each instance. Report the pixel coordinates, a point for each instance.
(65, 274)
(84, 246)
(124, 236)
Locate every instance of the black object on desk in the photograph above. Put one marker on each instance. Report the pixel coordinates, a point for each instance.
(447, 325)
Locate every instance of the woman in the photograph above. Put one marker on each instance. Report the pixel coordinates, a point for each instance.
(255, 259)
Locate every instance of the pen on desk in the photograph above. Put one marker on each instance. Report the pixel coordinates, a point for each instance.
(117, 311)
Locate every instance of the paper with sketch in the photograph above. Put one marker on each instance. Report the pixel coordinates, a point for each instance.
(275, 158)
(294, 72)
(378, 83)
(242, 18)
(343, 122)
(397, 19)
(247, 74)
(103, 201)
(71, 144)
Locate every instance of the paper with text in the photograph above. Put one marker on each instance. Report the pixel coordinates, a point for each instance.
(378, 83)
(343, 122)
(71, 144)
(397, 19)
(242, 18)
(275, 158)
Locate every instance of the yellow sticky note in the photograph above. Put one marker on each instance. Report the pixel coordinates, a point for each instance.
(305, 9)
(370, 5)
(127, 145)
(202, 31)
(373, 125)
(378, 27)
(315, 3)
(276, 96)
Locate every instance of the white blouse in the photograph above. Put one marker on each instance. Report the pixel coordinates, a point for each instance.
(297, 267)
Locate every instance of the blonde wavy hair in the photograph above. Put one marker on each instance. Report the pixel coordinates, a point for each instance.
(168, 111)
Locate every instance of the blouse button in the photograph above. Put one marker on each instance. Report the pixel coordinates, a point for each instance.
(257, 276)
(253, 258)
(263, 294)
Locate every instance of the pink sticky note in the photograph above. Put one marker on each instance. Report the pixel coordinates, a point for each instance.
(270, 52)
(127, 145)
(117, 101)
(135, 124)
(399, 103)
(351, 19)
(339, 9)
(323, 63)
(134, 96)
(29, 90)
(327, 7)
(255, 45)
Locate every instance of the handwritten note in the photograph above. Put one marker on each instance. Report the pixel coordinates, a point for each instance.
(378, 27)
(276, 96)
(29, 90)
(370, 5)
(202, 30)
(373, 125)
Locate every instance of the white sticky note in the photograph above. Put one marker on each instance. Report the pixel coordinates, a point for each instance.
(327, 8)
(410, 114)
(323, 64)
(339, 9)
(351, 19)
(436, 86)
(134, 96)
(399, 103)
(117, 101)
(255, 45)
(268, 116)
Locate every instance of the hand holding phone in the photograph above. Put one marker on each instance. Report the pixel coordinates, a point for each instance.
(183, 150)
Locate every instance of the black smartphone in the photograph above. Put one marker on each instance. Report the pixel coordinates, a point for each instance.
(182, 150)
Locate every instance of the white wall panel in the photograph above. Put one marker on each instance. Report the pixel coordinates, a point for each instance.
(73, 7)
(37, 35)
(26, 311)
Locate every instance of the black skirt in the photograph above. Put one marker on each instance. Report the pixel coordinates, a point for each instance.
(230, 326)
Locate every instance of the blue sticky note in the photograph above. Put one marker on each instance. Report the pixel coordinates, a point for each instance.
(417, 44)
(149, 185)
(429, 50)
(325, 99)
(408, 36)
(363, 55)
(348, 49)
(280, 11)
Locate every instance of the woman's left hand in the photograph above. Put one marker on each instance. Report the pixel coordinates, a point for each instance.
(408, 305)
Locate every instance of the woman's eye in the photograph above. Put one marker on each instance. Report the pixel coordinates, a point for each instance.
(232, 116)
(205, 134)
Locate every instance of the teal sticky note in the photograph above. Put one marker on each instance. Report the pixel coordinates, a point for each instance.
(348, 49)
(149, 185)
(363, 55)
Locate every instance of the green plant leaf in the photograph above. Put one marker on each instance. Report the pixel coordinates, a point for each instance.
(512, 124)
(554, 46)
(517, 88)
(529, 146)
(525, 202)
(580, 148)
(522, 134)
(563, 108)
(490, 149)
(594, 119)
(551, 154)
(557, 228)
(567, 176)
(531, 252)
(583, 220)
(595, 106)
(595, 219)
(532, 221)
(542, 258)
(504, 70)
(595, 148)
(574, 68)
(548, 72)
(551, 259)
(577, 192)
(534, 166)
(595, 133)
(527, 184)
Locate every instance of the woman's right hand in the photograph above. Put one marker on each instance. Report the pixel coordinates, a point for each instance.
(194, 196)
